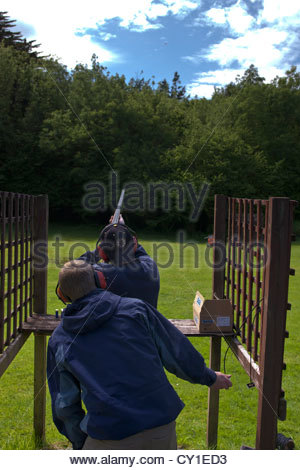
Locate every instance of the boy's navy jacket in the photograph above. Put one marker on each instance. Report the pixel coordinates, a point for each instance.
(110, 351)
(139, 279)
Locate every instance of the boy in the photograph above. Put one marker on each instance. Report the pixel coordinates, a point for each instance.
(110, 351)
(138, 278)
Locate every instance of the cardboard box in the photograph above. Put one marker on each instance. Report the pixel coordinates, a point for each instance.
(212, 316)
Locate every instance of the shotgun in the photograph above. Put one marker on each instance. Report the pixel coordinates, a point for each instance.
(117, 212)
(117, 243)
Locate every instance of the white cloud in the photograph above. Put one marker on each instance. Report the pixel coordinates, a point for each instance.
(258, 46)
(195, 59)
(265, 42)
(262, 42)
(217, 77)
(281, 12)
(107, 36)
(238, 19)
(139, 23)
(182, 7)
(156, 10)
(204, 83)
(56, 25)
(234, 17)
(57, 22)
(216, 15)
(201, 90)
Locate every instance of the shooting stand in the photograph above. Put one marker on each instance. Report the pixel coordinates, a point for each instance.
(251, 252)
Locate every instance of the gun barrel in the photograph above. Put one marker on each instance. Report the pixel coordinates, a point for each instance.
(117, 213)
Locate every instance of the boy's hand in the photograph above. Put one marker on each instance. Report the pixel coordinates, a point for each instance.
(223, 381)
(121, 220)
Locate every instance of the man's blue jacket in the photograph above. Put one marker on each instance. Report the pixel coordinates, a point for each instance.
(139, 279)
(110, 351)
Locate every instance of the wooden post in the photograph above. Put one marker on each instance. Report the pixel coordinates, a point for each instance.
(213, 395)
(40, 267)
(274, 320)
(219, 255)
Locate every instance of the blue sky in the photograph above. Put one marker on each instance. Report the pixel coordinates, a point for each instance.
(207, 42)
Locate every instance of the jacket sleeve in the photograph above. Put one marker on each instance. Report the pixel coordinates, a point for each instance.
(140, 251)
(176, 352)
(66, 400)
(148, 265)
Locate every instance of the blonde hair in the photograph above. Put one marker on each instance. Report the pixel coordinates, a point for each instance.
(76, 279)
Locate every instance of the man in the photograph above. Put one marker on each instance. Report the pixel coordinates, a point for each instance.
(110, 351)
(138, 278)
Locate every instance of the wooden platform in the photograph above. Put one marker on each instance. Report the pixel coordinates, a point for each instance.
(46, 324)
(41, 324)
(188, 328)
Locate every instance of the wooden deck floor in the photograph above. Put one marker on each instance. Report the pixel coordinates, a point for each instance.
(46, 324)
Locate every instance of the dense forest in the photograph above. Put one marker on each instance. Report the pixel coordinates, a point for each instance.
(60, 129)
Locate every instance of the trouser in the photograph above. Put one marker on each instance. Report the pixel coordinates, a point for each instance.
(161, 437)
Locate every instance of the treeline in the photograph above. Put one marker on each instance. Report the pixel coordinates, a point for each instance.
(61, 129)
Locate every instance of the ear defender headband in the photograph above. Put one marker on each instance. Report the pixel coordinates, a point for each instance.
(99, 281)
(115, 238)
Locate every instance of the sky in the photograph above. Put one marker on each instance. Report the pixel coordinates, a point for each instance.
(208, 43)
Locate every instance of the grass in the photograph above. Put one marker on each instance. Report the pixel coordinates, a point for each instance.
(238, 407)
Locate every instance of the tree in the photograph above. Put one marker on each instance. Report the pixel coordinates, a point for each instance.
(290, 81)
(177, 91)
(8, 37)
(163, 87)
(66, 128)
(250, 77)
(139, 82)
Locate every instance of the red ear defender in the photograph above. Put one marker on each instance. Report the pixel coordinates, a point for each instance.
(100, 279)
(102, 255)
(61, 296)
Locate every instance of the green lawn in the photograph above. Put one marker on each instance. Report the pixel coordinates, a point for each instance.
(237, 420)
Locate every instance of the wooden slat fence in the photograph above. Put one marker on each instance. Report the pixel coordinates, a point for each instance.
(16, 274)
(257, 236)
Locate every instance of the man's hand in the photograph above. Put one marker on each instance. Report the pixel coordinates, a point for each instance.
(121, 220)
(223, 381)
